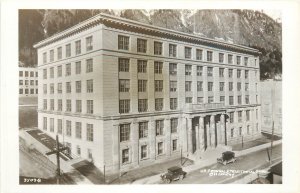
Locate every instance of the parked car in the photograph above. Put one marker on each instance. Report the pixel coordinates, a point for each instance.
(173, 173)
(227, 157)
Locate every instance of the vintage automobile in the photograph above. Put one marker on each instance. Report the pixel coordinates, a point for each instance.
(174, 173)
(227, 157)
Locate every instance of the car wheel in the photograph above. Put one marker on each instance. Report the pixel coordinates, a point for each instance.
(181, 177)
(168, 181)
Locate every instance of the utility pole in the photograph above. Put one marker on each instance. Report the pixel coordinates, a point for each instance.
(273, 112)
(56, 151)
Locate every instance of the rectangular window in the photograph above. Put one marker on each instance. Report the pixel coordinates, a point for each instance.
(173, 69)
(78, 47)
(78, 67)
(52, 72)
(31, 74)
(238, 73)
(221, 72)
(31, 82)
(51, 125)
(142, 66)
(199, 70)
(78, 130)
(142, 45)
(20, 73)
(174, 125)
(78, 150)
(209, 56)
(45, 73)
(26, 91)
(188, 52)
(221, 84)
(188, 86)
(240, 118)
(174, 144)
(239, 86)
(89, 106)
(143, 129)
(246, 74)
(199, 54)
(68, 105)
(90, 154)
(230, 86)
(230, 73)
(209, 71)
(173, 103)
(89, 86)
(200, 100)
(125, 156)
(231, 117)
(124, 132)
(89, 65)
(124, 106)
(232, 132)
(248, 129)
(26, 82)
(239, 100)
(172, 50)
(246, 61)
(142, 105)
(160, 148)
(210, 99)
(248, 115)
(143, 151)
(124, 85)
(188, 70)
(32, 91)
(247, 99)
(123, 65)
(52, 88)
(68, 87)
(59, 105)
(45, 104)
(59, 126)
(231, 102)
(78, 106)
(59, 53)
(26, 73)
(36, 83)
(221, 58)
(123, 42)
(44, 57)
(158, 67)
(210, 86)
(240, 131)
(45, 123)
(20, 82)
(230, 59)
(68, 128)
(89, 43)
(89, 132)
(238, 60)
(188, 99)
(159, 127)
(20, 91)
(173, 86)
(59, 71)
(142, 85)
(59, 88)
(158, 85)
(199, 86)
(51, 55)
(52, 104)
(159, 104)
(246, 86)
(157, 48)
(68, 50)
(68, 69)
(222, 99)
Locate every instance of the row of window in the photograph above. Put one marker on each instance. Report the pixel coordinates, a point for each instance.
(68, 105)
(68, 86)
(68, 69)
(28, 74)
(123, 44)
(69, 128)
(28, 91)
(143, 129)
(240, 131)
(28, 82)
(68, 50)
(124, 105)
(240, 116)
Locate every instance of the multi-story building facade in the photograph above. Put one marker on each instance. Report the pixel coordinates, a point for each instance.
(28, 82)
(126, 94)
(271, 106)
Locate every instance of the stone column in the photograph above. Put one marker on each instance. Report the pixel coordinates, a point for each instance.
(197, 137)
(182, 126)
(116, 147)
(201, 133)
(134, 138)
(222, 131)
(190, 135)
(212, 129)
(167, 131)
(152, 139)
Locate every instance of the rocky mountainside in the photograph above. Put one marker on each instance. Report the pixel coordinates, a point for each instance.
(245, 27)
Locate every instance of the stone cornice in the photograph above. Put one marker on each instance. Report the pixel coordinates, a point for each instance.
(138, 27)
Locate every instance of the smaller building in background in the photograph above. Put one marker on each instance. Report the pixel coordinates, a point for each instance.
(28, 81)
(271, 106)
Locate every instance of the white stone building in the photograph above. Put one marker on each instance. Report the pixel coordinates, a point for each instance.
(28, 82)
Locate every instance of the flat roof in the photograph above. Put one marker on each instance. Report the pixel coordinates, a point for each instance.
(123, 23)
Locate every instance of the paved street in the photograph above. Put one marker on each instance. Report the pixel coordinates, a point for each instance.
(247, 162)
